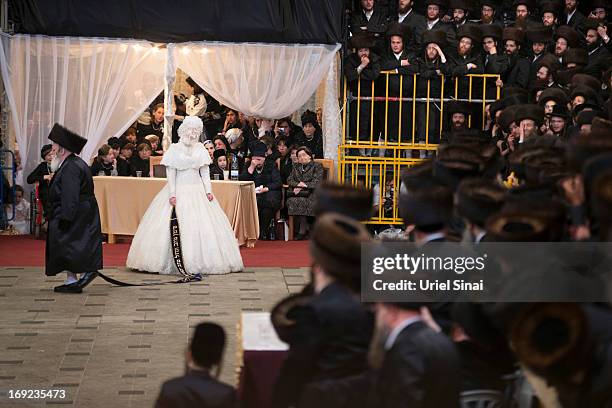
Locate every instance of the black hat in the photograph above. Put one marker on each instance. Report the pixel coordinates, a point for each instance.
(604, 4)
(478, 199)
(495, 107)
(401, 30)
(559, 111)
(517, 227)
(517, 91)
(344, 199)
(586, 80)
(553, 94)
(44, 150)
(114, 142)
(512, 33)
(601, 124)
(491, 3)
(491, 30)
(540, 34)
(507, 117)
(309, 117)
(440, 3)
(590, 24)
(457, 107)
(470, 31)
(586, 117)
(569, 33)
(429, 207)
(258, 149)
(550, 7)
(67, 139)
(418, 176)
(284, 316)
(460, 4)
(219, 153)
(549, 61)
(455, 163)
(528, 3)
(436, 37)
(530, 111)
(578, 56)
(362, 40)
(335, 245)
(584, 91)
(207, 344)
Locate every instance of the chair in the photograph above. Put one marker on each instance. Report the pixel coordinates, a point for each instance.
(328, 175)
(154, 161)
(481, 399)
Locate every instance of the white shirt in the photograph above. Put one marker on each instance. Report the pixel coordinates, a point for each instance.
(398, 56)
(570, 15)
(398, 329)
(368, 14)
(480, 236)
(401, 17)
(432, 23)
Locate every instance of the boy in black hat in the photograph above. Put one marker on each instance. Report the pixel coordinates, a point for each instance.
(199, 387)
(268, 186)
(74, 240)
(42, 175)
(219, 165)
(361, 68)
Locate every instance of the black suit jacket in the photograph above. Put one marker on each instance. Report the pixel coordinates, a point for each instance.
(421, 370)
(196, 389)
(519, 72)
(599, 61)
(376, 24)
(330, 341)
(269, 177)
(577, 20)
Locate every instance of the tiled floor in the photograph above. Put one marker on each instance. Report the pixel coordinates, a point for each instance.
(114, 346)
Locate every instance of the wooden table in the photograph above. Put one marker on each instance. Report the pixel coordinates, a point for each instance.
(124, 200)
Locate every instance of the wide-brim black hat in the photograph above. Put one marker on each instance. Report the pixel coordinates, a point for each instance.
(335, 245)
(549, 61)
(578, 56)
(517, 227)
(401, 30)
(427, 207)
(531, 111)
(344, 199)
(512, 33)
(44, 150)
(491, 30)
(516, 160)
(456, 162)
(507, 117)
(67, 139)
(258, 149)
(550, 7)
(553, 94)
(559, 111)
(478, 199)
(470, 31)
(435, 36)
(207, 344)
(457, 107)
(529, 3)
(569, 33)
(586, 80)
(443, 4)
(590, 24)
(584, 91)
(461, 4)
(285, 314)
(514, 91)
(586, 117)
(540, 34)
(362, 40)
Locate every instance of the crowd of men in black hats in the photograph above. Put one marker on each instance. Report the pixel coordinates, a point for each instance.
(545, 54)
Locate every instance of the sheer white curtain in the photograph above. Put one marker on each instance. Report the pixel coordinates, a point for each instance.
(95, 87)
(265, 80)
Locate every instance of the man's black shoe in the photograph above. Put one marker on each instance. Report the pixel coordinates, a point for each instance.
(86, 279)
(70, 288)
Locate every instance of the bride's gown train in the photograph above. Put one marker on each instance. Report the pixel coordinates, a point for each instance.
(207, 239)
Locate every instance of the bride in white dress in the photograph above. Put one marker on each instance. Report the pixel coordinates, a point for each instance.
(207, 240)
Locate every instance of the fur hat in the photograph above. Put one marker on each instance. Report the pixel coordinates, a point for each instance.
(541, 34)
(427, 208)
(586, 117)
(401, 30)
(559, 111)
(512, 33)
(517, 227)
(590, 24)
(550, 7)
(578, 56)
(460, 4)
(436, 37)
(584, 91)
(362, 40)
(344, 199)
(570, 34)
(470, 31)
(258, 149)
(507, 117)
(335, 244)
(553, 94)
(457, 107)
(67, 139)
(443, 4)
(491, 30)
(586, 80)
(478, 199)
(529, 3)
(515, 91)
(284, 314)
(530, 111)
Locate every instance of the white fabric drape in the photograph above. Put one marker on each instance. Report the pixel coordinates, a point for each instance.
(265, 80)
(95, 87)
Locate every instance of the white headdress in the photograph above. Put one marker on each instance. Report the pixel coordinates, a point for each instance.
(191, 126)
(232, 135)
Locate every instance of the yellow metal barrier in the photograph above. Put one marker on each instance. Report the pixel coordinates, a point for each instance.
(376, 161)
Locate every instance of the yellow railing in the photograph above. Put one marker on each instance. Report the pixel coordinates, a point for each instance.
(381, 173)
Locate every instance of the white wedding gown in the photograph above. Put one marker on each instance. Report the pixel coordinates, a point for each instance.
(207, 240)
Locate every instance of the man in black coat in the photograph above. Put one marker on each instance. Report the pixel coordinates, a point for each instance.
(74, 240)
(518, 67)
(42, 175)
(368, 18)
(329, 333)
(572, 17)
(268, 186)
(420, 368)
(433, 21)
(599, 56)
(198, 388)
(411, 19)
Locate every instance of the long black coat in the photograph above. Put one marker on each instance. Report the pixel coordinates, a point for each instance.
(269, 177)
(420, 370)
(196, 389)
(38, 176)
(331, 339)
(74, 240)
(369, 74)
(518, 73)
(599, 61)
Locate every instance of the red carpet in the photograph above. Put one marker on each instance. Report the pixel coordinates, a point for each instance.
(26, 251)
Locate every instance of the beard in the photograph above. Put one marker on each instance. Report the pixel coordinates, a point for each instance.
(55, 164)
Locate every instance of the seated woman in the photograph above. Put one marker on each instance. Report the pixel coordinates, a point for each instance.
(219, 166)
(221, 143)
(42, 175)
(123, 161)
(210, 147)
(140, 163)
(156, 149)
(311, 135)
(305, 177)
(104, 163)
(156, 127)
